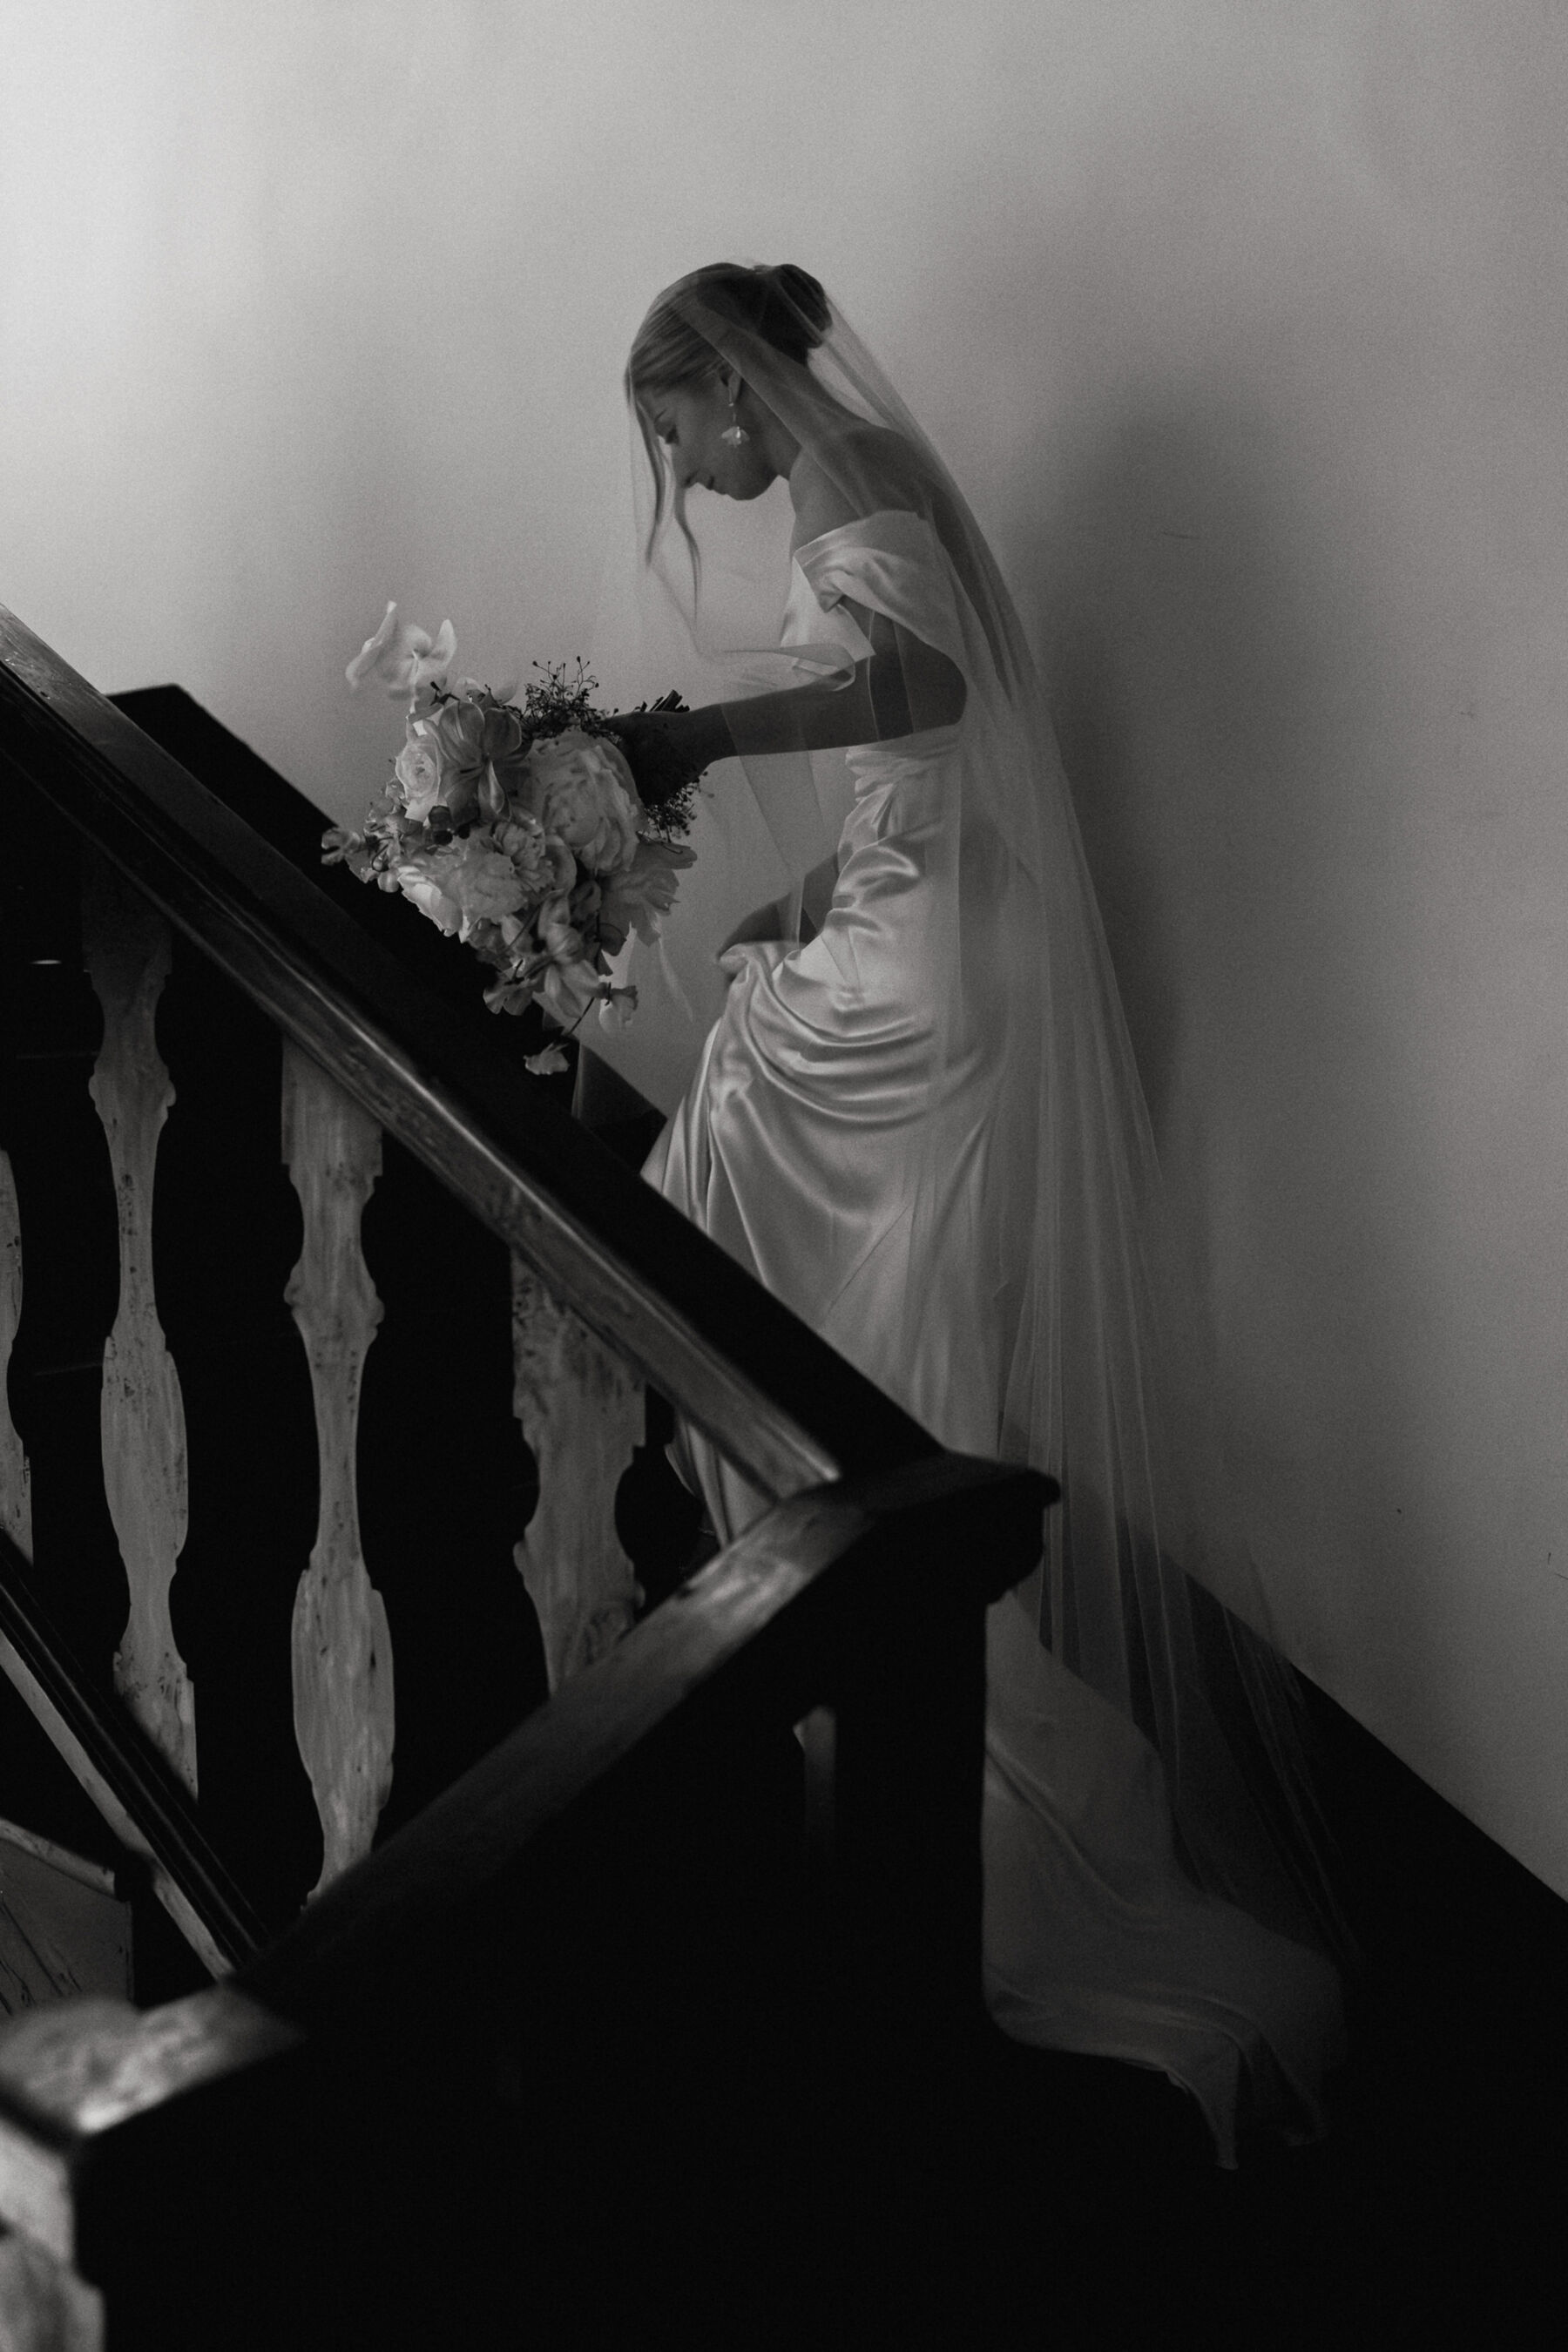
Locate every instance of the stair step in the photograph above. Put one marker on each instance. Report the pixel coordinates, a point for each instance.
(63, 1928)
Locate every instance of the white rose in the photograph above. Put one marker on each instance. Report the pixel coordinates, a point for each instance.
(468, 883)
(419, 771)
(422, 888)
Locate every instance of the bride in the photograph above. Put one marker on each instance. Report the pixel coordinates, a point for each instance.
(916, 1118)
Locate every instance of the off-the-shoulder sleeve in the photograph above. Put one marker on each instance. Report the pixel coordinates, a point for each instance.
(893, 562)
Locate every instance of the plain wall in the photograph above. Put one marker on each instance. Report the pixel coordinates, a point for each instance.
(1241, 322)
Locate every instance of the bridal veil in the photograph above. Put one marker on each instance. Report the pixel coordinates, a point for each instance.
(1082, 1350)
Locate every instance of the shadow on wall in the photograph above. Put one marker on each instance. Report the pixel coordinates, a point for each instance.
(1226, 722)
(1182, 637)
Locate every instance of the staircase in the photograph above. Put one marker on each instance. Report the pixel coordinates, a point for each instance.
(64, 1928)
(518, 1921)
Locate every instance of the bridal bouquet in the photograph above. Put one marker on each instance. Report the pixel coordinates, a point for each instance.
(520, 828)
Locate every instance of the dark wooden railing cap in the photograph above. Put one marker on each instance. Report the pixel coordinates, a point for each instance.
(773, 1607)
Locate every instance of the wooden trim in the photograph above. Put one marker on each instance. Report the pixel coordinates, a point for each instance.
(763, 1610)
(780, 1403)
(59, 1857)
(138, 1781)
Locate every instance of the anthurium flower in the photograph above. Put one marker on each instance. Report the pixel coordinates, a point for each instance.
(481, 745)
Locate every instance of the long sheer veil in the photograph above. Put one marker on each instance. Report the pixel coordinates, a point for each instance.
(1087, 1355)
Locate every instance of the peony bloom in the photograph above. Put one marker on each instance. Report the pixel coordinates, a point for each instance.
(521, 844)
(403, 659)
(544, 865)
(461, 885)
(639, 899)
(581, 788)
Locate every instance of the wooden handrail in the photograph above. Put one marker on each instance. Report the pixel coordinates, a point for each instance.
(863, 1593)
(868, 1596)
(780, 1403)
(748, 1611)
(147, 1797)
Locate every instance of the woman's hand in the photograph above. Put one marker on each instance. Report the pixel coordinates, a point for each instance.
(667, 746)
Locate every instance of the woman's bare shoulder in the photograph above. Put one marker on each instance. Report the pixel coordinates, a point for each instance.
(820, 499)
(862, 470)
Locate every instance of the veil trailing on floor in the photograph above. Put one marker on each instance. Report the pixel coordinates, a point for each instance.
(1081, 1351)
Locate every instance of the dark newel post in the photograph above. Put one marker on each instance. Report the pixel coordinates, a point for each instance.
(904, 1868)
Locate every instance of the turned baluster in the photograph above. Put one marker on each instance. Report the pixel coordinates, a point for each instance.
(15, 1478)
(141, 1415)
(581, 1413)
(342, 1645)
(15, 1520)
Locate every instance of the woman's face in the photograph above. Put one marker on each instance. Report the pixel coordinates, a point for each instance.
(691, 420)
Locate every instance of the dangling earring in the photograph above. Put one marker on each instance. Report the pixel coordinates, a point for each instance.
(734, 433)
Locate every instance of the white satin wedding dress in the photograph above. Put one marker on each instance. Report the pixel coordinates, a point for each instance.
(815, 1145)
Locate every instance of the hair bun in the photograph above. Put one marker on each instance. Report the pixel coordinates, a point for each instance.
(805, 296)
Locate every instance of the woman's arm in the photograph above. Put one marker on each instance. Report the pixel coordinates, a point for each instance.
(904, 687)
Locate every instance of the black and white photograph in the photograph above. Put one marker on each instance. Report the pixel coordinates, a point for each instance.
(783, 1174)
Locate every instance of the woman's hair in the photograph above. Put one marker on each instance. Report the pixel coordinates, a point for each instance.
(782, 305)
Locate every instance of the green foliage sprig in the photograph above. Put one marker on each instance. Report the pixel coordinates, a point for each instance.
(559, 699)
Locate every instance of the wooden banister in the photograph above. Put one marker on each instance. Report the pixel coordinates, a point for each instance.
(139, 1796)
(514, 1896)
(778, 1402)
(324, 2051)
(759, 1627)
